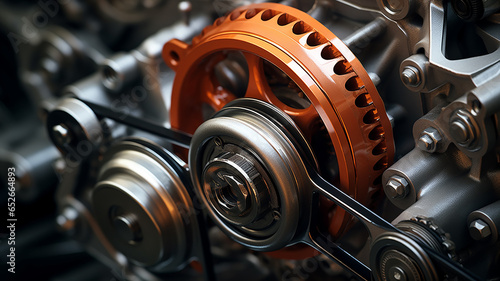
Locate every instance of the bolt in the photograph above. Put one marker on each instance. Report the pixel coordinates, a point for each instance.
(397, 266)
(61, 134)
(218, 141)
(425, 143)
(429, 140)
(232, 185)
(462, 129)
(397, 187)
(396, 273)
(479, 229)
(395, 5)
(185, 7)
(411, 76)
(111, 78)
(128, 228)
(237, 189)
(458, 131)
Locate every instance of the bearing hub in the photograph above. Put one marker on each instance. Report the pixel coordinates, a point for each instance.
(247, 167)
(142, 206)
(284, 57)
(235, 187)
(396, 257)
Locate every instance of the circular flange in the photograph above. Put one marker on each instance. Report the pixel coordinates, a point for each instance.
(74, 128)
(249, 143)
(142, 206)
(396, 9)
(321, 86)
(395, 255)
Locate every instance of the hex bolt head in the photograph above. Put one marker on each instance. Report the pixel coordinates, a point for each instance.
(238, 189)
(429, 140)
(397, 187)
(411, 76)
(425, 143)
(479, 229)
(61, 134)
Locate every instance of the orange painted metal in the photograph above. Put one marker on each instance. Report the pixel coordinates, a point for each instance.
(342, 96)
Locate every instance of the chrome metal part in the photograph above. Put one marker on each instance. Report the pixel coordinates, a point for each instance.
(143, 208)
(471, 10)
(429, 140)
(396, 187)
(483, 223)
(61, 134)
(413, 72)
(479, 230)
(396, 255)
(396, 9)
(185, 7)
(237, 177)
(87, 123)
(449, 206)
(119, 70)
(74, 128)
(411, 76)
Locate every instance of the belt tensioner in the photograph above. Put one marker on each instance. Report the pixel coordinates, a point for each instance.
(284, 57)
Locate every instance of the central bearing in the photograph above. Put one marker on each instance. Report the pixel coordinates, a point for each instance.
(235, 188)
(247, 168)
(142, 206)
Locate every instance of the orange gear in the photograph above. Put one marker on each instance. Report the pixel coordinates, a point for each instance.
(334, 101)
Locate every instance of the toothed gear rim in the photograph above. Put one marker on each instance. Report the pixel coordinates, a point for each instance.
(342, 96)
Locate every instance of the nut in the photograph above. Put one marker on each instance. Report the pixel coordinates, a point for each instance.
(411, 76)
(397, 187)
(429, 140)
(479, 229)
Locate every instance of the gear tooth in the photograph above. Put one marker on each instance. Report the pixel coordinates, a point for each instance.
(251, 13)
(443, 243)
(329, 52)
(350, 101)
(267, 14)
(236, 14)
(218, 21)
(285, 19)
